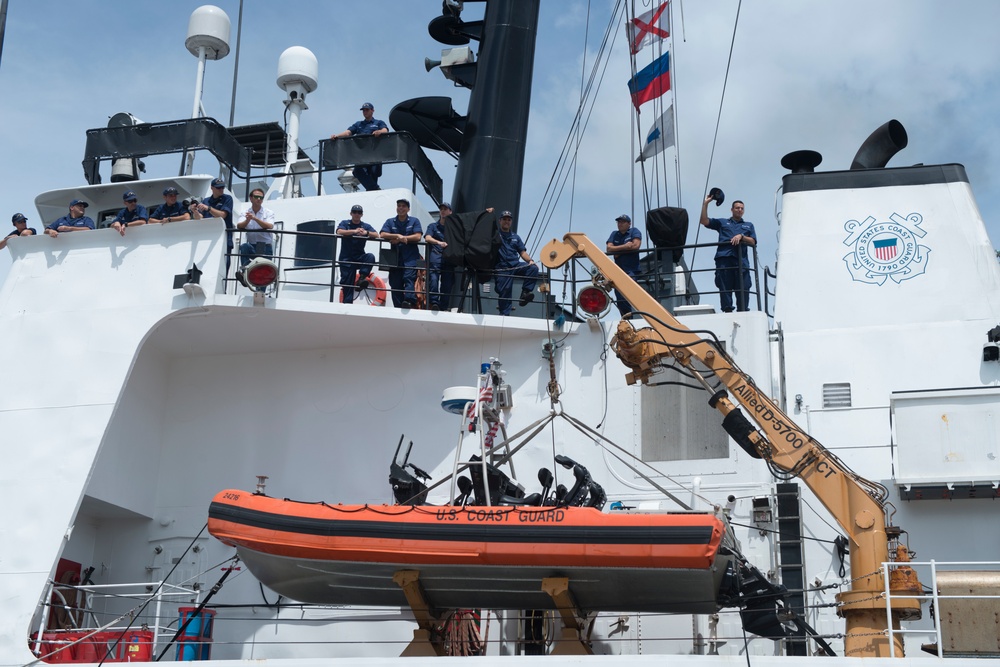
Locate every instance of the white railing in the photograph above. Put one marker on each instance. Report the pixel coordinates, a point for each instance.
(933, 595)
(143, 593)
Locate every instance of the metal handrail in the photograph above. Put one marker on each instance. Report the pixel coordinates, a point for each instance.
(474, 280)
(933, 596)
(160, 590)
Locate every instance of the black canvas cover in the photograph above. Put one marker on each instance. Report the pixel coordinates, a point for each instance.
(667, 227)
(473, 240)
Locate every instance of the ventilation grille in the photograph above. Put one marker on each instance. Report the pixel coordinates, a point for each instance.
(837, 395)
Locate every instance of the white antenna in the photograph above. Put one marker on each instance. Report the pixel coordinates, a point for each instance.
(298, 71)
(207, 38)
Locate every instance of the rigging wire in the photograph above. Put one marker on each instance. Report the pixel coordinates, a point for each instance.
(778, 532)
(162, 583)
(718, 121)
(878, 492)
(634, 129)
(579, 135)
(581, 119)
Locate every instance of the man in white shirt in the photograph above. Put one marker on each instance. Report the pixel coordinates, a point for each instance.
(257, 221)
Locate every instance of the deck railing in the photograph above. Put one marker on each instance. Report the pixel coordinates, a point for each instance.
(988, 569)
(86, 624)
(474, 291)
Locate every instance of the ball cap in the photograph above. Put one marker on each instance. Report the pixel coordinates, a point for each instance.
(367, 105)
(170, 191)
(357, 209)
(624, 216)
(19, 217)
(129, 196)
(506, 214)
(446, 205)
(78, 201)
(218, 183)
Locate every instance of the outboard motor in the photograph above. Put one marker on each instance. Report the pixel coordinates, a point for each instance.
(764, 611)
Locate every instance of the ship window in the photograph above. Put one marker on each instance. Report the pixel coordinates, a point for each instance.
(837, 395)
(318, 248)
(678, 424)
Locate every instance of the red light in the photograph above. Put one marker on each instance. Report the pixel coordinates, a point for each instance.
(261, 274)
(593, 300)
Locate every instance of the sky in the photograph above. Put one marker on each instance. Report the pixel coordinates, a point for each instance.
(803, 75)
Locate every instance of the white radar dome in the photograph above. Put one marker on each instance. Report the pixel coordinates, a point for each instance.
(298, 65)
(208, 27)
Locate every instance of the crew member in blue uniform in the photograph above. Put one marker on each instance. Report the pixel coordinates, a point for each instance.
(219, 205)
(732, 267)
(133, 215)
(170, 210)
(404, 233)
(355, 263)
(367, 175)
(21, 228)
(75, 221)
(624, 244)
(509, 264)
(440, 278)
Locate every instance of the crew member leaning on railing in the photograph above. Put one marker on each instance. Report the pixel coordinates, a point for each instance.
(404, 233)
(355, 264)
(509, 264)
(257, 221)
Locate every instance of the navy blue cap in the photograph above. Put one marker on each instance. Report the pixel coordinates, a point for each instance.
(506, 214)
(129, 196)
(78, 201)
(624, 216)
(446, 205)
(404, 201)
(170, 191)
(19, 217)
(367, 105)
(218, 183)
(357, 209)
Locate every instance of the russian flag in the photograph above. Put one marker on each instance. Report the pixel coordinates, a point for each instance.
(652, 81)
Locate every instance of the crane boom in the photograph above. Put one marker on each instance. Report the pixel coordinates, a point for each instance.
(856, 504)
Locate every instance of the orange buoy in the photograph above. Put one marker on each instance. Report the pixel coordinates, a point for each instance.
(375, 283)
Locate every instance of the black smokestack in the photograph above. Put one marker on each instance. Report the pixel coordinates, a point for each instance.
(879, 148)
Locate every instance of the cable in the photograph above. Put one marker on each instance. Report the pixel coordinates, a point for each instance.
(775, 532)
(197, 612)
(155, 591)
(718, 120)
(578, 127)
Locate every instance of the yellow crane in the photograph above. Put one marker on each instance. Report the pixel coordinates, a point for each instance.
(857, 504)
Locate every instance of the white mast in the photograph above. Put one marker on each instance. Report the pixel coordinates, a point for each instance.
(298, 71)
(207, 38)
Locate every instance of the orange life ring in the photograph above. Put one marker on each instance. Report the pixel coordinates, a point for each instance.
(374, 282)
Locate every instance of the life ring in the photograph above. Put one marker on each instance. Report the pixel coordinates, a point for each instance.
(374, 282)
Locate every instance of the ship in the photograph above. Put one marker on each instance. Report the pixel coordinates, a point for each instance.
(166, 382)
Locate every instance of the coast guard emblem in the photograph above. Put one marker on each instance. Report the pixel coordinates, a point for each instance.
(881, 250)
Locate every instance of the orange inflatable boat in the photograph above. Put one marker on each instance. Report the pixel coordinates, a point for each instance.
(478, 556)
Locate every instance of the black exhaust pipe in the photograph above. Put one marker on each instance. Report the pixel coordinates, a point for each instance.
(879, 148)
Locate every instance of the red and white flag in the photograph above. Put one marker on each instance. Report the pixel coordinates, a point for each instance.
(647, 28)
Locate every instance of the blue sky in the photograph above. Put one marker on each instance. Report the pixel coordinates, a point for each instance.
(818, 75)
